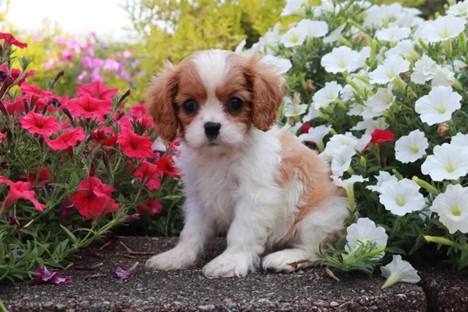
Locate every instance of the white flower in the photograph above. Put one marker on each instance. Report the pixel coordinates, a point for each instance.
(312, 113)
(293, 37)
(292, 7)
(438, 105)
(341, 59)
(389, 70)
(452, 208)
(292, 128)
(393, 34)
(348, 140)
(341, 160)
(377, 104)
(411, 147)
(449, 162)
(393, 15)
(292, 110)
(459, 9)
(424, 70)
(460, 140)
(404, 48)
(399, 271)
(334, 35)
(326, 95)
(443, 28)
(313, 29)
(348, 183)
(363, 231)
(315, 134)
(443, 76)
(370, 125)
(401, 197)
(282, 65)
(383, 176)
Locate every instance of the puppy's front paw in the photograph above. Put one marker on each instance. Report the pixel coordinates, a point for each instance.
(288, 260)
(174, 259)
(231, 264)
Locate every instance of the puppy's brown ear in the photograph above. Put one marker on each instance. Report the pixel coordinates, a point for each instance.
(159, 95)
(267, 93)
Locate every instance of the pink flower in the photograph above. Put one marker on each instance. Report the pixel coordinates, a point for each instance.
(1, 137)
(93, 198)
(39, 124)
(44, 276)
(149, 174)
(19, 190)
(89, 107)
(97, 90)
(150, 207)
(9, 39)
(69, 138)
(134, 145)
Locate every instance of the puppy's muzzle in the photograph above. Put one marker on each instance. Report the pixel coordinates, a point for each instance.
(212, 130)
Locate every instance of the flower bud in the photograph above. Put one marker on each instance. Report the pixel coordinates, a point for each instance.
(443, 129)
(310, 86)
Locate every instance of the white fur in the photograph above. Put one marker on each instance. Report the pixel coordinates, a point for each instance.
(233, 187)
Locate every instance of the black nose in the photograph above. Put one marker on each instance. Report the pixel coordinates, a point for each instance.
(212, 129)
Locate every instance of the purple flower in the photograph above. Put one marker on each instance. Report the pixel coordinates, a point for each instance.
(44, 276)
(125, 274)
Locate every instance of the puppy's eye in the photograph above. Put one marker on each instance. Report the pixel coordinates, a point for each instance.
(190, 106)
(235, 104)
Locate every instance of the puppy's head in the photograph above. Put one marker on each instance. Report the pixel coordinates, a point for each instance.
(213, 98)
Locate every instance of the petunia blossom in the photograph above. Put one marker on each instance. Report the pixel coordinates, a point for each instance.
(294, 37)
(88, 107)
(383, 176)
(393, 34)
(134, 145)
(36, 123)
(11, 40)
(44, 276)
(69, 138)
(438, 106)
(452, 208)
(399, 271)
(401, 197)
(363, 231)
(411, 147)
(341, 59)
(19, 190)
(149, 174)
(448, 162)
(443, 28)
(97, 90)
(392, 67)
(150, 207)
(329, 93)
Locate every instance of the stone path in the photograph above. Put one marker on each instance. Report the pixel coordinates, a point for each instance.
(95, 289)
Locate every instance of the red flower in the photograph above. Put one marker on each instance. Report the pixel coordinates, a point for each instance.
(9, 39)
(15, 73)
(69, 138)
(104, 135)
(381, 136)
(138, 112)
(19, 190)
(88, 107)
(39, 177)
(16, 107)
(166, 165)
(36, 96)
(305, 128)
(39, 124)
(1, 137)
(93, 198)
(134, 145)
(150, 207)
(149, 174)
(97, 90)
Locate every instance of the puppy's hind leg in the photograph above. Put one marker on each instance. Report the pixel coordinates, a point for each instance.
(316, 228)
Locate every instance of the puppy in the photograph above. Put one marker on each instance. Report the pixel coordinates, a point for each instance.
(241, 174)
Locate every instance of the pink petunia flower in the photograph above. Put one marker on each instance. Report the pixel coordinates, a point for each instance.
(149, 174)
(151, 207)
(11, 40)
(134, 145)
(19, 190)
(39, 124)
(97, 90)
(44, 276)
(69, 138)
(89, 107)
(93, 198)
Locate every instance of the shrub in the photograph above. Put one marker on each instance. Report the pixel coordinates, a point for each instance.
(379, 92)
(71, 169)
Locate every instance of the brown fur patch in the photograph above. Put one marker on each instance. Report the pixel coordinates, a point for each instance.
(300, 162)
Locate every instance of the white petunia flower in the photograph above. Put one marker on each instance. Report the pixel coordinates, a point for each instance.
(370, 125)
(399, 271)
(389, 70)
(424, 70)
(377, 104)
(334, 35)
(460, 140)
(292, 129)
(438, 105)
(404, 49)
(393, 34)
(411, 147)
(347, 140)
(341, 160)
(391, 15)
(292, 7)
(401, 197)
(326, 95)
(312, 113)
(443, 76)
(341, 59)
(383, 176)
(449, 162)
(313, 29)
(282, 65)
(293, 37)
(347, 183)
(442, 29)
(452, 208)
(363, 231)
(459, 9)
(316, 134)
(292, 110)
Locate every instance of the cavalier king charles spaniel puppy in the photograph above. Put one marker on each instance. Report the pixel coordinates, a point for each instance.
(242, 175)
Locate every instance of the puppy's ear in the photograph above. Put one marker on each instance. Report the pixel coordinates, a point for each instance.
(267, 93)
(159, 95)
